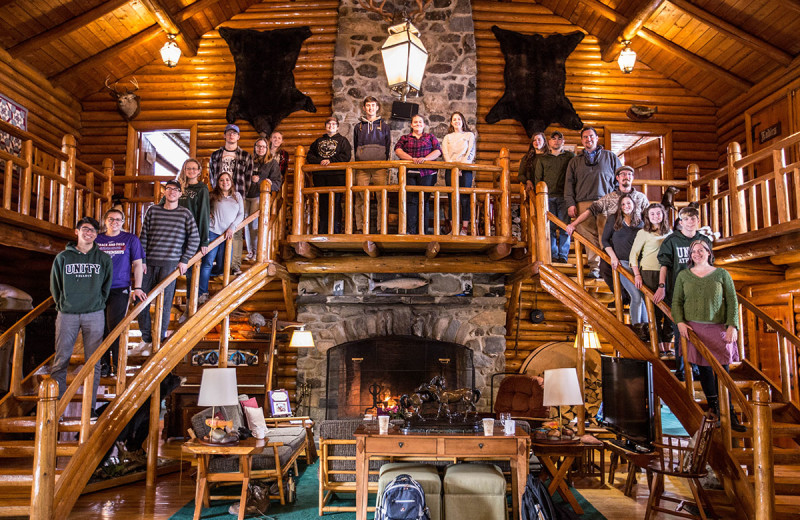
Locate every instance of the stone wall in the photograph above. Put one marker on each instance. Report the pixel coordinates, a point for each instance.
(448, 84)
(467, 309)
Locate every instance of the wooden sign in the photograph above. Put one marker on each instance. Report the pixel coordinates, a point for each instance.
(769, 133)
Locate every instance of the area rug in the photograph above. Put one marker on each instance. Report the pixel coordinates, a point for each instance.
(306, 507)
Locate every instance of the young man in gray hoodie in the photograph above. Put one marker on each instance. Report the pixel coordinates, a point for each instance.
(80, 281)
(372, 141)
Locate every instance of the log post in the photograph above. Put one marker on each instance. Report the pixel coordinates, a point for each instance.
(89, 195)
(455, 198)
(786, 374)
(762, 453)
(152, 436)
(108, 185)
(688, 375)
(724, 403)
(155, 324)
(543, 253)
(713, 191)
(737, 199)
(348, 201)
(693, 173)
(401, 196)
(263, 249)
(17, 361)
(580, 367)
(617, 295)
(505, 195)
(44, 455)
(781, 189)
(297, 210)
(651, 315)
(66, 198)
(26, 179)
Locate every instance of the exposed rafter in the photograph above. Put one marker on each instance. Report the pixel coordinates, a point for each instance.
(792, 4)
(701, 63)
(642, 15)
(730, 30)
(606, 11)
(171, 26)
(63, 29)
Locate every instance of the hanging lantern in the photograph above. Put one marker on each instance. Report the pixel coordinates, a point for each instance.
(170, 52)
(404, 59)
(627, 58)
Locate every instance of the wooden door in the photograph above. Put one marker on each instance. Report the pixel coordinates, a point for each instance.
(646, 159)
(766, 126)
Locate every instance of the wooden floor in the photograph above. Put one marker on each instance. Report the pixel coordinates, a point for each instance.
(173, 491)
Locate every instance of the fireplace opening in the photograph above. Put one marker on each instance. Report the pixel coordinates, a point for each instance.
(377, 371)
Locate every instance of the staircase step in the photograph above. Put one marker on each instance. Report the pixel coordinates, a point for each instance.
(28, 424)
(779, 429)
(786, 507)
(15, 507)
(789, 485)
(26, 449)
(779, 455)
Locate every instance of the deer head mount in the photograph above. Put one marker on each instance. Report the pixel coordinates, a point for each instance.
(128, 101)
(394, 15)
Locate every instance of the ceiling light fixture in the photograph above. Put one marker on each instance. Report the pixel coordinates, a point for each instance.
(170, 52)
(627, 58)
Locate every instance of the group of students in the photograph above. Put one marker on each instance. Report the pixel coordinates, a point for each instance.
(372, 139)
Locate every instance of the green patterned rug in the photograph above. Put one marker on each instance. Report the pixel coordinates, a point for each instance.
(306, 507)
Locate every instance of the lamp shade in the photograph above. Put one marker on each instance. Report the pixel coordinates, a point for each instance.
(302, 339)
(561, 387)
(589, 337)
(627, 59)
(218, 387)
(170, 52)
(404, 57)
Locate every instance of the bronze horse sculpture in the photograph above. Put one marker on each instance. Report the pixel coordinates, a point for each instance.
(437, 388)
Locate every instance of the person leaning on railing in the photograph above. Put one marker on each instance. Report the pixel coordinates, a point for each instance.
(459, 146)
(418, 146)
(269, 163)
(618, 237)
(705, 302)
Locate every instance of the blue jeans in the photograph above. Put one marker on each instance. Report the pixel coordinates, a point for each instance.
(218, 254)
(464, 181)
(559, 245)
(638, 310)
(412, 214)
(91, 325)
(151, 278)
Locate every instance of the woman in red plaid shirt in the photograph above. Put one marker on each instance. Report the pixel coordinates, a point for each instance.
(419, 147)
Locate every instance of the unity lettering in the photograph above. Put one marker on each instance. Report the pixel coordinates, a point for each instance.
(82, 269)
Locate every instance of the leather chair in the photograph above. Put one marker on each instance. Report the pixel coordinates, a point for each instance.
(521, 395)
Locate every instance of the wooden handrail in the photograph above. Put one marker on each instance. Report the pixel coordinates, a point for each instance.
(766, 153)
(40, 143)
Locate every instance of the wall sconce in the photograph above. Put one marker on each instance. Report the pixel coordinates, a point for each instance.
(301, 338)
(404, 59)
(627, 58)
(170, 52)
(589, 337)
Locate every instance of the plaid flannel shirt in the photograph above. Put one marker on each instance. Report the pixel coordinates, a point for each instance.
(242, 169)
(419, 147)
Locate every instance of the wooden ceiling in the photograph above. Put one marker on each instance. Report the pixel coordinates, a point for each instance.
(715, 48)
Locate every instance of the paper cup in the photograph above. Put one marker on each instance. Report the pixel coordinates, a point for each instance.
(510, 427)
(488, 426)
(383, 424)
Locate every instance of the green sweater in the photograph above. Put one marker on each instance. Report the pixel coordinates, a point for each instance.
(710, 299)
(552, 169)
(80, 282)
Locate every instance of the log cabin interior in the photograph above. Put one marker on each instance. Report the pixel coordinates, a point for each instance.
(710, 107)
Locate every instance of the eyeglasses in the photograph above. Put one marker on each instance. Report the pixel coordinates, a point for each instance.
(172, 188)
(88, 229)
(110, 219)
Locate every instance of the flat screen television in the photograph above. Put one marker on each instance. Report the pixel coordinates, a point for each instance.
(628, 404)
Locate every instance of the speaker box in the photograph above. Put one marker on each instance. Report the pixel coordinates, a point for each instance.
(404, 111)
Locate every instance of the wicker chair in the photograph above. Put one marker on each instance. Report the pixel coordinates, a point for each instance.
(677, 459)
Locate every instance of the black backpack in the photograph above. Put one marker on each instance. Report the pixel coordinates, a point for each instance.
(538, 505)
(403, 499)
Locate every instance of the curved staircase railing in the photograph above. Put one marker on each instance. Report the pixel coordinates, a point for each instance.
(678, 396)
(96, 437)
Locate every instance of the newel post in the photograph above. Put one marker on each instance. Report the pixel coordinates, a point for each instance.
(26, 179)
(108, 186)
(264, 244)
(693, 174)
(67, 193)
(505, 194)
(736, 179)
(762, 452)
(299, 183)
(542, 206)
(44, 455)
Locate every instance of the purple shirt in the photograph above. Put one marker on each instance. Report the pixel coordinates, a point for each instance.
(123, 250)
(419, 147)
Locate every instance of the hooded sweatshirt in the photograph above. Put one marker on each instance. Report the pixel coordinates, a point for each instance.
(674, 254)
(368, 132)
(195, 199)
(80, 282)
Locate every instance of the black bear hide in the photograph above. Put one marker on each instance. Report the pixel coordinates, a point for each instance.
(264, 92)
(535, 76)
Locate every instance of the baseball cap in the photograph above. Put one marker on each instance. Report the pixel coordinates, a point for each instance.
(557, 134)
(173, 183)
(624, 169)
(232, 127)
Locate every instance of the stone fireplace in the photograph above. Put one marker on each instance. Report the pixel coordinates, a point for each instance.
(460, 309)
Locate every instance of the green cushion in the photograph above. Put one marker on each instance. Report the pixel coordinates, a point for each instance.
(474, 479)
(425, 474)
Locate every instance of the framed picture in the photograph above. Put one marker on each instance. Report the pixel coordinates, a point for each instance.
(279, 404)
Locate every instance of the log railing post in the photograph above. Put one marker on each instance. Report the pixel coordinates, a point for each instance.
(455, 198)
(781, 189)
(543, 253)
(155, 324)
(505, 195)
(713, 191)
(401, 197)
(88, 197)
(786, 374)
(66, 199)
(736, 197)
(762, 452)
(108, 185)
(152, 436)
(44, 455)
(26, 179)
(348, 201)
(17, 362)
(263, 249)
(299, 182)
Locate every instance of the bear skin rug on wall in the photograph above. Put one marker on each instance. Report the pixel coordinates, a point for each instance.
(264, 92)
(535, 75)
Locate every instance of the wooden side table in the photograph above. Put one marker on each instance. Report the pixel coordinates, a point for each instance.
(557, 458)
(635, 461)
(245, 450)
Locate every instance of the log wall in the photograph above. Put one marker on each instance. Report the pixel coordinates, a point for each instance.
(599, 92)
(52, 112)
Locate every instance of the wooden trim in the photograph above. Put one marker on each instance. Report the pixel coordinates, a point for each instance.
(171, 26)
(665, 132)
(644, 12)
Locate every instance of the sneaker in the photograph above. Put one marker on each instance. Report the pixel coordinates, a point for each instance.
(105, 370)
(183, 317)
(594, 273)
(235, 271)
(561, 260)
(203, 298)
(464, 231)
(144, 348)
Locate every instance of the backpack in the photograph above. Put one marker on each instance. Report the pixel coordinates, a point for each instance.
(537, 504)
(403, 499)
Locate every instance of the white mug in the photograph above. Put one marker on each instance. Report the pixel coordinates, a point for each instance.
(383, 424)
(488, 426)
(510, 427)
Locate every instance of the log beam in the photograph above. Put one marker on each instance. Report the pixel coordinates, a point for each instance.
(306, 250)
(432, 250)
(645, 11)
(401, 264)
(730, 30)
(171, 26)
(54, 33)
(371, 248)
(701, 63)
(606, 11)
(499, 252)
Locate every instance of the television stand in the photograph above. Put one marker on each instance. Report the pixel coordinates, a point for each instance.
(635, 459)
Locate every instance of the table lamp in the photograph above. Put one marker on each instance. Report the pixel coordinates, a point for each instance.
(561, 388)
(218, 388)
